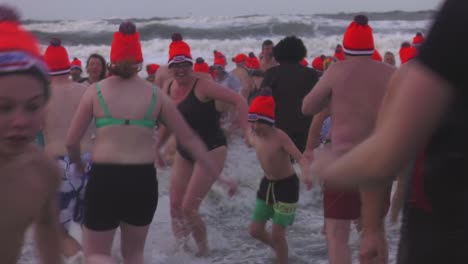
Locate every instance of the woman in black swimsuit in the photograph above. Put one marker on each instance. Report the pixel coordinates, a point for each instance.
(189, 181)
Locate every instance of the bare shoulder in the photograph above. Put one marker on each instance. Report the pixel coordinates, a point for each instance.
(281, 136)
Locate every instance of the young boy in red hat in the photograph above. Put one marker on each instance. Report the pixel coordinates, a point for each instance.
(353, 89)
(278, 193)
(28, 180)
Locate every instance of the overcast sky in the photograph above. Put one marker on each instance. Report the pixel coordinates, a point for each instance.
(76, 9)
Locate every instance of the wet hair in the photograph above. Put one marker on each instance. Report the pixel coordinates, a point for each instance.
(290, 49)
(124, 69)
(102, 75)
(267, 42)
(405, 44)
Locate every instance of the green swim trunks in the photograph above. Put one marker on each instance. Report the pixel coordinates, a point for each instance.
(277, 200)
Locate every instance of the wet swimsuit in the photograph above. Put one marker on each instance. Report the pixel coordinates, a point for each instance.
(277, 199)
(120, 193)
(108, 120)
(203, 118)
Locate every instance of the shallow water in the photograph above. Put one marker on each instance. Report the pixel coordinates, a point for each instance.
(228, 218)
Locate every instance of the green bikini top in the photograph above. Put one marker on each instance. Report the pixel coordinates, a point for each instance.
(108, 120)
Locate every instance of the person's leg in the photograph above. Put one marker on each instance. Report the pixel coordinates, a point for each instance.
(70, 247)
(337, 233)
(279, 243)
(257, 230)
(196, 191)
(99, 259)
(97, 242)
(132, 245)
(180, 177)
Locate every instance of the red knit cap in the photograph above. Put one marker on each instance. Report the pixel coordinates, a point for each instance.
(219, 59)
(76, 64)
(407, 52)
(358, 39)
(252, 62)
(56, 57)
(201, 66)
(19, 50)
(317, 63)
(126, 44)
(376, 56)
(339, 54)
(152, 68)
(418, 40)
(304, 62)
(240, 58)
(179, 50)
(262, 109)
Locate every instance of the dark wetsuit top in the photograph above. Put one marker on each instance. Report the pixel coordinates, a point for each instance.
(441, 236)
(290, 83)
(203, 118)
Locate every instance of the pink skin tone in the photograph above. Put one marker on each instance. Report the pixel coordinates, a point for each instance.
(354, 90)
(189, 184)
(94, 69)
(22, 112)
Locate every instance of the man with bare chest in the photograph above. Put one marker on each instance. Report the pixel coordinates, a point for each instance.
(353, 89)
(64, 100)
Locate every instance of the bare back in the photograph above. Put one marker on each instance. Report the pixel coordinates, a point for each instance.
(63, 103)
(245, 80)
(271, 154)
(27, 184)
(358, 86)
(129, 100)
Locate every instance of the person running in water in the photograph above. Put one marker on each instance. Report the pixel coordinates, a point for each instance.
(196, 102)
(122, 190)
(435, 122)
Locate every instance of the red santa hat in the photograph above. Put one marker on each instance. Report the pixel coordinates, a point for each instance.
(179, 50)
(76, 64)
(56, 57)
(152, 68)
(19, 49)
(240, 58)
(201, 66)
(376, 56)
(418, 39)
(252, 62)
(317, 63)
(339, 54)
(407, 52)
(126, 44)
(304, 63)
(262, 109)
(219, 59)
(358, 39)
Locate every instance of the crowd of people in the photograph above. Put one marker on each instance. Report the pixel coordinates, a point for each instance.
(353, 122)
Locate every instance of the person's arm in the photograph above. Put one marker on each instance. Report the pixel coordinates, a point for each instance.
(212, 90)
(313, 136)
(80, 124)
(319, 97)
(47, 227)
(401, 117)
